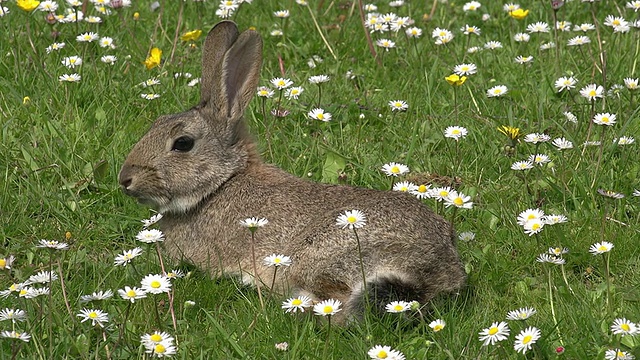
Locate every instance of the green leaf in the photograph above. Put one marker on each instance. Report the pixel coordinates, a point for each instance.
(334, 164)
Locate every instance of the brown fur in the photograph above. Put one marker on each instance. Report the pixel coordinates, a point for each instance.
(204, 193)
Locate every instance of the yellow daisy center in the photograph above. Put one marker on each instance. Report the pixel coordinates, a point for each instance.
(604, 119)
(398, 104)
(602, 248)
(93, 315)
(281, 83)
(438, 327)
(404, 188)
(395, 169)
(493, 330)
(277, 260)
(294, 92)
(398, 307)
(527, 339)
(497, 91)
(455, 132)
(155, 338)
(352, 219)
(422, 189)
(535, 226)
(592, 93)
(328, 309)
(23, 292)
(320, 116)
(444, 193)
(531, 217)
(296, 302)
(382, 354)
(616, 22)
(131, 293)
(3, 263)
(159, 349)
(155, 284)
(625, 327)
(458, 201)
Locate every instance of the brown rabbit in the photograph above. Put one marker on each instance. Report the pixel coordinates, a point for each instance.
(202, 170)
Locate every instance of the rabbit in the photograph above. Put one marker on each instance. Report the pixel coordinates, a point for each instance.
(203, 171)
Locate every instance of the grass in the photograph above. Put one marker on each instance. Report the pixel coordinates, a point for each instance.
(63, 144)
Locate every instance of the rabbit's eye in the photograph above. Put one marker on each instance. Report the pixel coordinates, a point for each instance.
(183, 143)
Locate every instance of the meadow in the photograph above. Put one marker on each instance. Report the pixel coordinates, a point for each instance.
(526, 111)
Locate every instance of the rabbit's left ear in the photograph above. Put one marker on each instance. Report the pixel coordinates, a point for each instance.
(218, 42)
(240, 75)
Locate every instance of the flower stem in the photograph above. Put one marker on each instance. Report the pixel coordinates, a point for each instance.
(255, 270)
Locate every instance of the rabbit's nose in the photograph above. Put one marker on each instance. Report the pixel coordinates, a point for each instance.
(125, 178)
(125, 182)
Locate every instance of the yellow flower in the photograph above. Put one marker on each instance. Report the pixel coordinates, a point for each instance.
(27, 5)
(519, 14)
(191, 35)
(154, 58)
(511, 132)
(26, 100)
(136, 16)
(456, 80)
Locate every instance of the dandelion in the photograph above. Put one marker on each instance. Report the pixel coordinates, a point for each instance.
(592, 92)
(455, 132)
(327, 307)
(526, 339)
(398, 105)
(497, 91)
(395, 169)
(521, 314)
(624, 327)
(297, 303)
(379, 352)
(437, 325)
(132, 293)
(281, 83)
(600, 248)
(156, 284)
(97, 296)
(319, 114)
(352, 219)
(69, 78)
(605, 119)
(150, 236)
(565, 83)
(496, 332)
(398, 306)
(154, 58)
(277, 260)
(14, 334)
(97, 317)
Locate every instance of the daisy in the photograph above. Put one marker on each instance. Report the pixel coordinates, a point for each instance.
(384, 352)
(48, 6)
(386, 44)
(152, 220)
(510, 7)
(52, 244)
(455, 132)
(398, 105)
(293, 93)
(523, 59)
(277, 260)
(600, 248)
(604, 119)
(535, 138)
(319, 114)
(633, 5)
(497, 91)
(521, 314)
(565, 83)
(15, 335)
(254, 223)
(109, 59)
(297, 303)
(281, 83)
(413, 32)
(492, 45)
(474, 49)
(352, 219)
(539, 27)
(562, 143)
(539, 159)
(458, 200)
(132, 294)
(496, 332)
(465, 69)
(471, 6)
(570, 117)
(150, 236)
(281, 14)
(398, 306)
(13, 315)
(265, 92)
(3, 11)
(97, 317)
(421, 191)
(623, 140)
(468, 30)
(69, 78)
(630, 83)
(87, 37)
(327, 307)
(466, 236)
(193, 82)
(636, 192)
(613, 21)
(97, 296)
(526, 339)
(622, 326)
(521, 37)
(617, 354)
(534, 226)
(175, 274)
(437, 325)
(443, 40)
(41, 278)
(578, 40)
(395, 169)
(126, 257)
(592, 92)
(155, 284)
(440, 193)
(93, 19)
(7, 262)
(554, 219)
(563, 25)
(157, 337)
(72, 61)
(55, 47)
(558, 251)
(283, 346)
(31, 292)
(547, 258)
(547, 46)
(404, 186)
(318, 79)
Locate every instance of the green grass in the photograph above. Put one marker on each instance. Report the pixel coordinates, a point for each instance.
(62, 150)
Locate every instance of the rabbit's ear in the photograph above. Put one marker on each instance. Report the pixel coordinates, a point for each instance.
(240, 75)
(218, 42)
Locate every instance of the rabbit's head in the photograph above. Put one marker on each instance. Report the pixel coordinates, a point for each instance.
(185, 157)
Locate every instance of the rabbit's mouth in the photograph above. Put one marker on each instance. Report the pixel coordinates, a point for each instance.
(153, 201)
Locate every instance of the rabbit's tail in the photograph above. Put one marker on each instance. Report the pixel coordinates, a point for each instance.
(382, 290)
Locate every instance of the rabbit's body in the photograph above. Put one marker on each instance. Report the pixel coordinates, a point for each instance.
(207, 190)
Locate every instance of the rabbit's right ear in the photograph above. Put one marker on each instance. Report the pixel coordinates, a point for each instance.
(218, 42)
